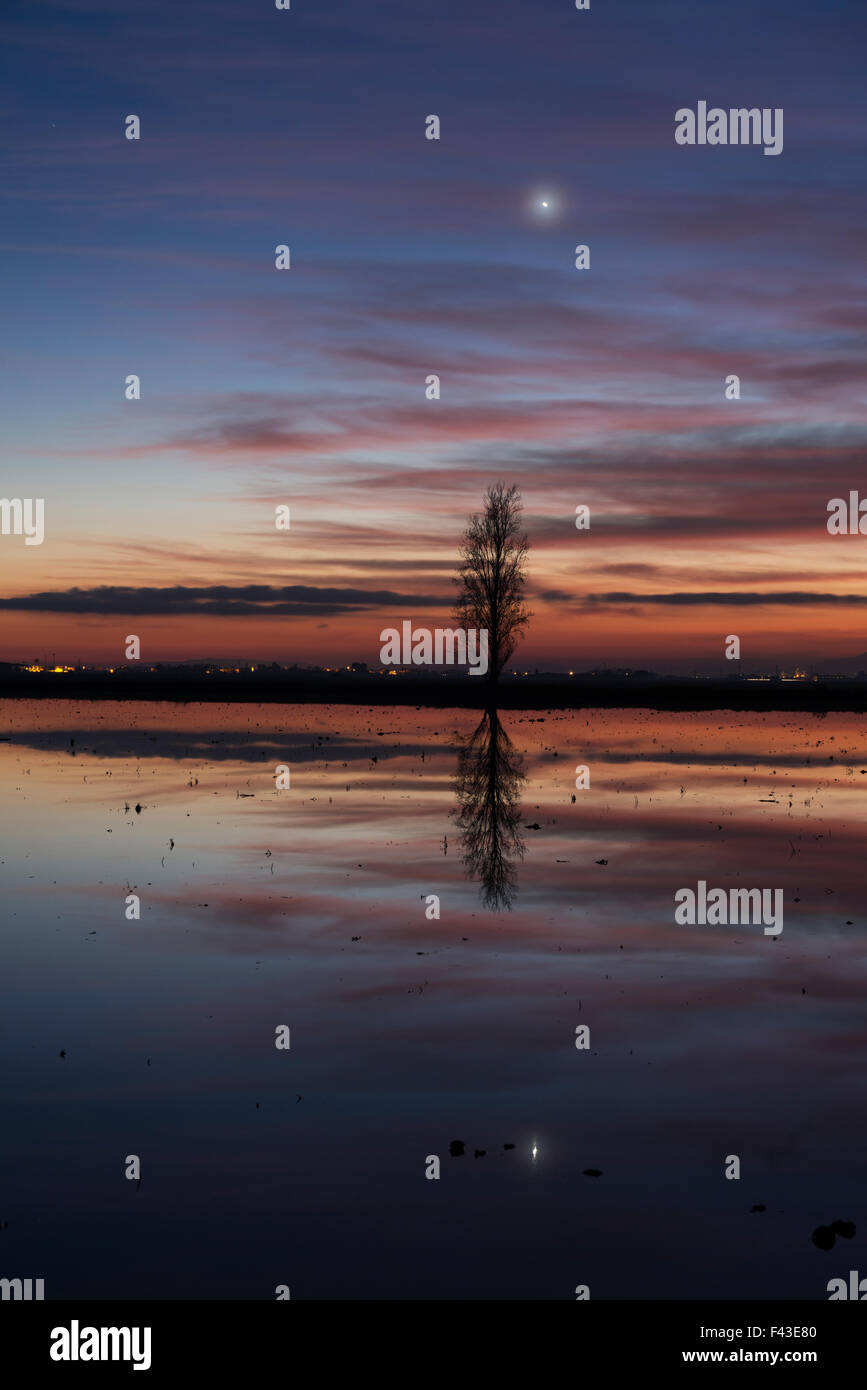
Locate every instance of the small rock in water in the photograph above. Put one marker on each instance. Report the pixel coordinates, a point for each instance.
(846, 1229)
(823, 1237)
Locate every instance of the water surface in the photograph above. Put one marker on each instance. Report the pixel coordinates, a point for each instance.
(310, 907)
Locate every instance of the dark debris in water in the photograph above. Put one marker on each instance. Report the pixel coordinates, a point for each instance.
(824, 1236)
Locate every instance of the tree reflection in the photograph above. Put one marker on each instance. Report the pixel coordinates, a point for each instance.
(489, 779)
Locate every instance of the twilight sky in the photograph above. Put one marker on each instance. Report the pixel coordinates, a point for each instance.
(409, 257)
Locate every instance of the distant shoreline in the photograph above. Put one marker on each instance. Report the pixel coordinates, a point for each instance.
(447, 693)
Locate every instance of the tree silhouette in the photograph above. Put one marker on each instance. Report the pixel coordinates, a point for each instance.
(488, 785)
(491, 575)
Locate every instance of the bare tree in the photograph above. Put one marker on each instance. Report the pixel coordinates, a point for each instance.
(491, 575)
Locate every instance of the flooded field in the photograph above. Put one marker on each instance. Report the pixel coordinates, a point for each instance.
(434, 906)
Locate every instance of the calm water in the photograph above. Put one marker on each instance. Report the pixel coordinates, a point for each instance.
(704, 1041)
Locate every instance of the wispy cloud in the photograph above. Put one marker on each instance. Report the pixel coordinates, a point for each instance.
(218, 600)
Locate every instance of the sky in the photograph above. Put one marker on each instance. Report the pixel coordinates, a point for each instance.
(600, 387)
